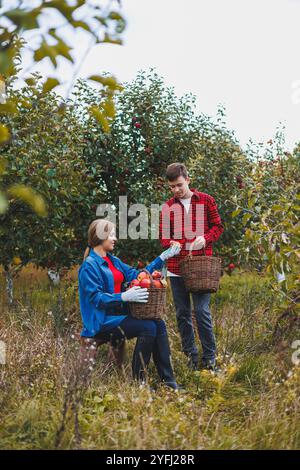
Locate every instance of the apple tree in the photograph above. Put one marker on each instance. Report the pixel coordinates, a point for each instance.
(153, 128)
(270, 213)
(23, 29)
(45, 156)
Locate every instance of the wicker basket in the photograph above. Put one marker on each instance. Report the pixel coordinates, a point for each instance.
(201, 273)
(154, 308)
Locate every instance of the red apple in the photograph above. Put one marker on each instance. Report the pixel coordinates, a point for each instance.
(231, 266)
(134, 283)
(145, 283)
(156, 274)
(157, 283)
(137, 125)
(142, 276)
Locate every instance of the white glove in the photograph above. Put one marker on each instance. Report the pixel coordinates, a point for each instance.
(198, 243)
(135, 294)
(172, 251)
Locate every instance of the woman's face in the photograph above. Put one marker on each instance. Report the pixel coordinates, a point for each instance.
(109, 243)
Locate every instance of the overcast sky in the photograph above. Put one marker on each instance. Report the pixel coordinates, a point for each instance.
(244, 54)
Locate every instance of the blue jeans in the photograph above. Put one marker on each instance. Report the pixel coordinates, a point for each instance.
(182, 302)
(152, 340)
(131, 327)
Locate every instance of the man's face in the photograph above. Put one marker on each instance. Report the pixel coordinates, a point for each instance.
(180, 187)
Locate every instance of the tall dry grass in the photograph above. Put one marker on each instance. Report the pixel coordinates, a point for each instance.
(51, 398)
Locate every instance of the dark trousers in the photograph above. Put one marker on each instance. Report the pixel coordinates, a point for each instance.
(182, 301)
(132, 327)
(152, 340)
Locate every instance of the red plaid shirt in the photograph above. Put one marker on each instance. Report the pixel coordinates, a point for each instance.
(202, 219)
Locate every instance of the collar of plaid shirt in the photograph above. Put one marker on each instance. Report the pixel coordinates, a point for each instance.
(195, 195)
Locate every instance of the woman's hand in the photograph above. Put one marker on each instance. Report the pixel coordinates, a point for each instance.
(170, 252)
(174, 242)
(135, 294)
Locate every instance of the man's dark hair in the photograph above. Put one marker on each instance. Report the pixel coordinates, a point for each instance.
(175, 170)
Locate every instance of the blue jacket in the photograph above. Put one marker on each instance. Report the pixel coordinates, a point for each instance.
(96, 292)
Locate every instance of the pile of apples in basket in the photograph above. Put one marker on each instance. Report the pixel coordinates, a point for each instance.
(144, 280)
(156, 284)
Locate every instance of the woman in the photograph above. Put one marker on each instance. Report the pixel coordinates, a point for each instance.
(104, 308)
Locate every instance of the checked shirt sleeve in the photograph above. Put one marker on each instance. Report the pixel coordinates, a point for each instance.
(165, 227)
(214, 220)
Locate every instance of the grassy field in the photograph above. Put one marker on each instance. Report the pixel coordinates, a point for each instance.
(49, 401)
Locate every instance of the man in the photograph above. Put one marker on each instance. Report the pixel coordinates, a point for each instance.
(190, 220)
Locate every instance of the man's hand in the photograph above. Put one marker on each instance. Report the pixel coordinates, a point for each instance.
(198, 243)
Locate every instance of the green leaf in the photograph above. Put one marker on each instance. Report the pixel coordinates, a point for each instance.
(110, 82)
(3, 203)
(45, 50)
(8, 108)
(30, 197)
(114, 15)
(63, 49)
(81, 24)
(245, 218)
(236, 212)
(276, 208)
(62, 7)
(50, 84)
(4, 134)
(110, 40)
(3, 165)
(24, 19)
(109, 108)
(100, 117)
(30, 81)
(248, 234)
(251, 202)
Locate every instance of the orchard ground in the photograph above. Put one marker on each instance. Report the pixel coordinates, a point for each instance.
(253, 404)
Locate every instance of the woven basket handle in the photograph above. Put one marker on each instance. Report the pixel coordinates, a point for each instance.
(149, 274)
(190, 255)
